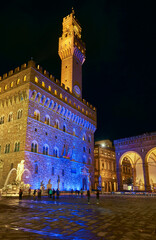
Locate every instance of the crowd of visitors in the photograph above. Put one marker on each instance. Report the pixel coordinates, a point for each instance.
(54, 194)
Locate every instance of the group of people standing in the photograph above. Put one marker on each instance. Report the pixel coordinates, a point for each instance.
(52, 193)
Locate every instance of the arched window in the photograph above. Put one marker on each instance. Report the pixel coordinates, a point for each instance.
(38, 97)
(55, 152)
(36, 80)
(49, 88)
(2, 120)
(34, 147)
(57, 124)
(37, 115)
(46, 149)
(84, 137)
(10, 117)
(84, 149)
(17, 147)
(43, 84)
(36, 168)
(42, 99)
(89, 150)
(7, 148)
(74, 132)
(19, 114)
(64, 128)
(25, 78)
(18, 80)
(89, 138)
(47, 120)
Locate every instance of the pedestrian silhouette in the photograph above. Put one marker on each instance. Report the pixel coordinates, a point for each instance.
(88, 195)
(97, 196)
(20, 194)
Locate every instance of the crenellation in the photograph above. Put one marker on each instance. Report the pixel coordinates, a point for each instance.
(63, 85)
(17, 69)
(23, 66)
(5, 75)
(11, 72)
(58, 82)
(52, 77)
(46, 73)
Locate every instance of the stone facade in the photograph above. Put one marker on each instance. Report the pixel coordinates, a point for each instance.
(105, 166)
(140, 154)
(48, 125)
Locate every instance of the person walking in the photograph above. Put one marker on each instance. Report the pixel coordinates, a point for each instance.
(57, 193)
(53, 194)
(29, 191)
(39, 193)
(20, 194)
(81, 191)
(88, 195)
(34, 194)
(50, 193)
(97, 196)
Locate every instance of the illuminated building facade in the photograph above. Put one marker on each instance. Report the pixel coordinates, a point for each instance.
(105, 166)
(46, 122)
(136, 162)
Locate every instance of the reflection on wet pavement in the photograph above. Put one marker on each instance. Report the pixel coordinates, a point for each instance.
(115, 218)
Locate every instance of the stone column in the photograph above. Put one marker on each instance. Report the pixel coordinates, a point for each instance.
(146, 175)
(134, 175)
(110, 184)
(115, 187)
(119, 177)
(106, 186)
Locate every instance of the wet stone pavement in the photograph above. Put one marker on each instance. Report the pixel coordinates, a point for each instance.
(70, 217)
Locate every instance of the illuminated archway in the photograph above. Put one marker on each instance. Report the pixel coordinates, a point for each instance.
(132, 175)
(151, 163)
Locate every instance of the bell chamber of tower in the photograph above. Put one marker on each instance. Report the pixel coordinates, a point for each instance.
(72, 54)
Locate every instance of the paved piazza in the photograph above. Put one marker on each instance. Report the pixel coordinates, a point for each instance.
(70, 217)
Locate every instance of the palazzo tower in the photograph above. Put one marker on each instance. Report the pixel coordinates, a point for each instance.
(72, 53)
(47, 123)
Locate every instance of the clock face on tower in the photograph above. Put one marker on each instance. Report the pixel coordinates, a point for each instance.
(77, 91)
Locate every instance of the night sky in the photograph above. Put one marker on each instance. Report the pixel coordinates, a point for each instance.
(119, 71)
